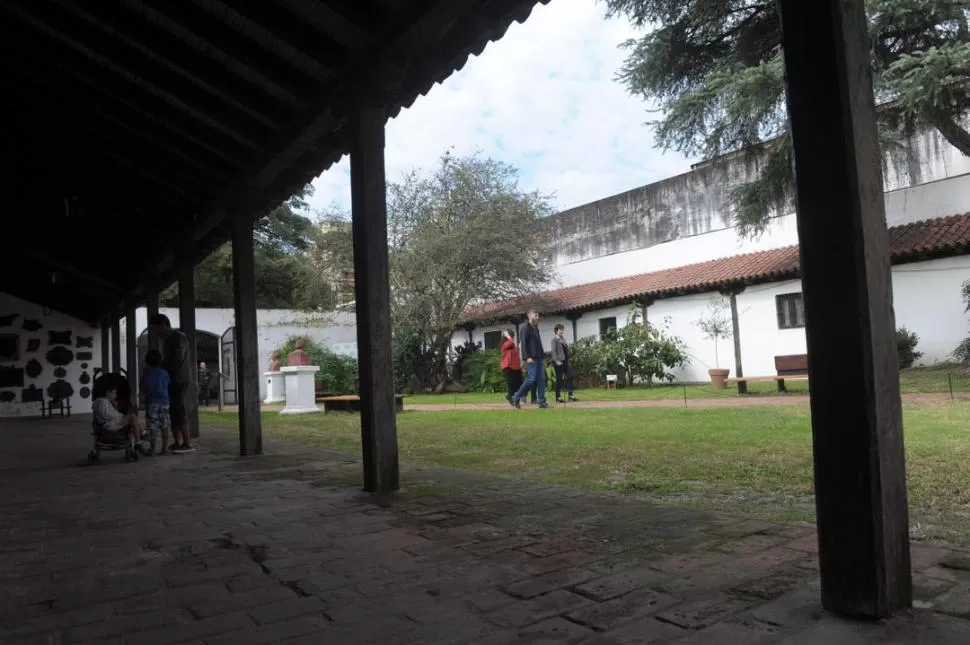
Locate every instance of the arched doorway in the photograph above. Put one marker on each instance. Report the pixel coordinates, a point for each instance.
(206, 351)
(229, 366)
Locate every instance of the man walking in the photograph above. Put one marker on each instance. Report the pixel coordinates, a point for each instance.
(535, 366)
(175, 360)
(560, 361)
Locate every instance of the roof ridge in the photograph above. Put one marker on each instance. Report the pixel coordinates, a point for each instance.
(938, 234)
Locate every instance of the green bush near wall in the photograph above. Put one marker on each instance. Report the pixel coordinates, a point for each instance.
(337, 373)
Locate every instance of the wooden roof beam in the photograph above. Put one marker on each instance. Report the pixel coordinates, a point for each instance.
(215, 85)
(329, 22)
(266, 39)
(207, 49)
(97, 112)
(129, 76)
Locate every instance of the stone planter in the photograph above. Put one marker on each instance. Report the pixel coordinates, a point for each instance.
(719, 378)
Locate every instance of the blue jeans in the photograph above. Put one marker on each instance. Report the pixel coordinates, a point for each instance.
(535, 374)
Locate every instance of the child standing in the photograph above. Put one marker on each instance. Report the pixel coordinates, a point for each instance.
(155, 383)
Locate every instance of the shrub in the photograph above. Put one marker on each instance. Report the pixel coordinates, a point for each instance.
(337, 373)
(482, 371)
(411, 363)
(906, 342)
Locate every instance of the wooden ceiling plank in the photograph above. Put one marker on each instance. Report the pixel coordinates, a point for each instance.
(329, 22)
(130, 77)
(215, 86)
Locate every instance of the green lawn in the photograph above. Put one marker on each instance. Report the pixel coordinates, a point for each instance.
(753, 460)
(912, 381)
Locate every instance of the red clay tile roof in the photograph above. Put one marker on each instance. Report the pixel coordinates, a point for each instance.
(936, 237)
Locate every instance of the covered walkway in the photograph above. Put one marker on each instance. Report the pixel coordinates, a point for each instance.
(214, 548)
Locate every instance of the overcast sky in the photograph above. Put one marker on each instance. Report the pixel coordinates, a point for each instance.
(544, 98)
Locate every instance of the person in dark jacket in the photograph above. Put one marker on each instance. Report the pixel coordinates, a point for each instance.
(560, 360)
(534, 356)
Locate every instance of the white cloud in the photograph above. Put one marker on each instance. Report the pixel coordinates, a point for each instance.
(543, 99)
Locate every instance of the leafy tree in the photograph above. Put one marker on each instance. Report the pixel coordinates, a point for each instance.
(962, 351)
(286, 277)
(641, 352)
(717, 324)
(715, 69)
(462, 235)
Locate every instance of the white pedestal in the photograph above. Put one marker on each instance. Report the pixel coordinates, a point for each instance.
(275, 387)
(300, 395)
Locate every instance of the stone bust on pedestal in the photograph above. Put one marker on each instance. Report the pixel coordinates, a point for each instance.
(298, 356)
(274, 363)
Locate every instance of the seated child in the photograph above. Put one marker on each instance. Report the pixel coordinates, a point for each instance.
(155, 382)
(111, 423)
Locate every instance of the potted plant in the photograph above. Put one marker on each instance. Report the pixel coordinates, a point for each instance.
(715, 326)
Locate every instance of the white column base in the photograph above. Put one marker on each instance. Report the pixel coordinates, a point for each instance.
(275, 387)
(300, 395)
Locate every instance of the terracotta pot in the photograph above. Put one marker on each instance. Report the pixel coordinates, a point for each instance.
(718, 378)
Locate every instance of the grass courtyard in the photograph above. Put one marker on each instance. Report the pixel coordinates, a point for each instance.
(752, 460)
(922, 380)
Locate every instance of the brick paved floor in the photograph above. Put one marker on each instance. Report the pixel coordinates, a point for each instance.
(212, 548)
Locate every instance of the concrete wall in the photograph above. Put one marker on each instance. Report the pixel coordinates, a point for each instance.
(926, 298)
(77, 377)
(334, 330)
(928, 201)
(687, 218)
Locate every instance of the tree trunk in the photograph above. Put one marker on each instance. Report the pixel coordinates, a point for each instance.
(951, 130)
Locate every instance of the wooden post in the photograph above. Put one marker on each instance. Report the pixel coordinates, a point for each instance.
(116, 344)
(186, 276)
(131, 347)
(105, 345)
(573, 317)
(736, 333)
(246, 337)
(378, 425)
(860, 477)
(151, 306)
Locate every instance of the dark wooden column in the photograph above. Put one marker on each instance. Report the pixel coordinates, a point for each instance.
(186, 276)
(116, 344)
(151, 307)
(246, 337)
(378, 425)
(469, 329)
(732, 295)
(105, 345)
(131, 346)
(573, 317)
(860, 477)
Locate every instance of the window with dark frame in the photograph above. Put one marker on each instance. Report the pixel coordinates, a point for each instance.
(607, 326)
(791, 310)
(493, 339)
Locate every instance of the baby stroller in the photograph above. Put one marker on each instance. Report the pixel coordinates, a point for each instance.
(118, 441)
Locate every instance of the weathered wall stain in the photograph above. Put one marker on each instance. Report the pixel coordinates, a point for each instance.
(697, 202)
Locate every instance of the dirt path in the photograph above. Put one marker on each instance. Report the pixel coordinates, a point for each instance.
(726, 402)
(738, 402)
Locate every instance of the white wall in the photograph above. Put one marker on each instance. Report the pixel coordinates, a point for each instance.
(761, 339)
(927, 301)
(335, 330)
(56, 322)
(941, 198)
(926, 298)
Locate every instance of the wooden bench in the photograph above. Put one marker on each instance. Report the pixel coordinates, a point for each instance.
(351, 403)
(791, 367)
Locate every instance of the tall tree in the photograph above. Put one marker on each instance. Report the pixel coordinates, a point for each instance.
(285, 274)
(462, 235)
(715, 68)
